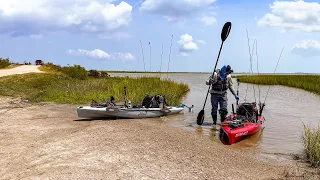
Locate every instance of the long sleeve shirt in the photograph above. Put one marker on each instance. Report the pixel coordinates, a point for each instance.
(213, 79)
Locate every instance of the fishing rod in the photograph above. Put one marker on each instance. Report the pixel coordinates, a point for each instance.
(262, 106)
(144, 65)
(250, 55)
(161, 60)
(169, 56)
(233, 112)
(258, 70)
(254, 89)
(150, 55)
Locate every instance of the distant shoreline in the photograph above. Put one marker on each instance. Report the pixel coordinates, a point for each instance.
(235, 73)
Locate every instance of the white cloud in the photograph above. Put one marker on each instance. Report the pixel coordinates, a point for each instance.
(124, 56)
(293, 15)
(208, 20)
(36, 36)
(186, 45)
(100, 54)
(201, 41)
(115, 35)
(308, 48)
(177, 10)
(96, 53)
(21, 17)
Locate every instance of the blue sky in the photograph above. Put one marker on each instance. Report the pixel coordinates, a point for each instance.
(106, 34)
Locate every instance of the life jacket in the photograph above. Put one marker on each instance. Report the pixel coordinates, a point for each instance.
(221, 84)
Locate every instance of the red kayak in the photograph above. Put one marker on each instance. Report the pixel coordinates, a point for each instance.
(236, 130)
(245, 122)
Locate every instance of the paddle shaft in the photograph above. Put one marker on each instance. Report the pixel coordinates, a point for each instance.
(213, 74)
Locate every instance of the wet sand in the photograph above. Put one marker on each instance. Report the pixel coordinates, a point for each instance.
(47, 141)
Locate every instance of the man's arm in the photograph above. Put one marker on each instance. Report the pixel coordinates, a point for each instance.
(211, 79)
(230, 83)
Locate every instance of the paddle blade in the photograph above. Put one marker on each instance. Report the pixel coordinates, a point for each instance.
(200, 117)
(225, 31)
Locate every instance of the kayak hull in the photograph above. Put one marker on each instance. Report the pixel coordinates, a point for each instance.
(238, 133)
(122, 112)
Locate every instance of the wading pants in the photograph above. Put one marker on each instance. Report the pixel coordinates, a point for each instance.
(222, 99)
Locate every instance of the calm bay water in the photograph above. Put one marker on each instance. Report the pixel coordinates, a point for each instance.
(287, 109)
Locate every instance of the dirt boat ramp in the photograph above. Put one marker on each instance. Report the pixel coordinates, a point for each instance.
(20, 70)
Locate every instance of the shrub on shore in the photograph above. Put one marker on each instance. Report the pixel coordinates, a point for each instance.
(98, 74)
(75, 71)
(50, 67)
(311, 141)
(4, 62)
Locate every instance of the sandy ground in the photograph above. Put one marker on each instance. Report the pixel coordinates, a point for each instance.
(19, 70)
(47, 141)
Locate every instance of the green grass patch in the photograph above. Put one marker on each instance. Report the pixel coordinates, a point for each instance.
(311, 141)
(63, 88)
(310, 83)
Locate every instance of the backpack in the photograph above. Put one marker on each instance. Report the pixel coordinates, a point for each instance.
(153, 101)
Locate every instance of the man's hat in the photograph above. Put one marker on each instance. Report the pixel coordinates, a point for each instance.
(228, 69)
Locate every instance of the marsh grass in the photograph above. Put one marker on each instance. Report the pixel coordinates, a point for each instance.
(61, 88)
(311, 141)
(307, 82)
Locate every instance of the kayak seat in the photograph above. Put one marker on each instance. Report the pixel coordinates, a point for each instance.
(248, 111)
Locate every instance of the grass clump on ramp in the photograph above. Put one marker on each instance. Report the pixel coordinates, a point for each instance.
(311, 141)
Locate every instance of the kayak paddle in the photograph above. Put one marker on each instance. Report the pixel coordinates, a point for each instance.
(224, 34)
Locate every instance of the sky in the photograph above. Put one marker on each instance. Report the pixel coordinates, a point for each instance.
(166, 35)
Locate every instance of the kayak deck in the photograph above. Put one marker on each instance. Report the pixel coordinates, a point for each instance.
(123, 112)
(237, 133)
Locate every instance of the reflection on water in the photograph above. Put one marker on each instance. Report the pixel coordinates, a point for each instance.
(287, 109)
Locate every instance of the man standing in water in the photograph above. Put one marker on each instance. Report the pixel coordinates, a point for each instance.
(220, 82)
